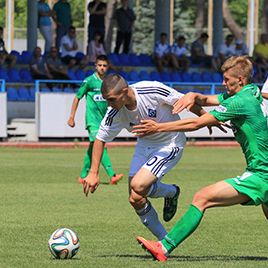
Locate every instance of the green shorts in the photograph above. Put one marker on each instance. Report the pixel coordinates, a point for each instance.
(252, 185)
(92, 133)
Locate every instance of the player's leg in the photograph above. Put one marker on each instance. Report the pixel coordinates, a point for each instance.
(87, 161)
(162, 160)
(145, 210)
(218, 194)
(265, 210)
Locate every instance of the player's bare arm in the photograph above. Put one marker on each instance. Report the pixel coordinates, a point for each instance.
(71, 121)
(265, 96)
(265, 210)
(92, 180)
(148, 127)
(188, 101)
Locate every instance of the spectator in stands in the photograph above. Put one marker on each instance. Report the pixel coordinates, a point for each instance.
(45, 23)
(97, 13)
(38, 66)
(95, 47)
(69, 48)
(226, 50)
(198, 54)
(55, 65)
(178, 55)
(240, 48)
(125, 17)
(260, 55)
(161, 56)
(9, 59)
(63, 19)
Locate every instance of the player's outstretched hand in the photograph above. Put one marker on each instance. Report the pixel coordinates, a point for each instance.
(71, 122)
(186, 102)
(146, 127)
(220, 126)
(91, 183)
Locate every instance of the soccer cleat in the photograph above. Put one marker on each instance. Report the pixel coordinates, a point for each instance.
(116, 178)
(80, 180)
(154, 248)
(170, 206)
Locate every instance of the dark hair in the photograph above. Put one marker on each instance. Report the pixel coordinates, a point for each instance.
(113, 82)
(181, 37)
(163, 34)
(204, 35)
(1, 28)
(71, 28)
(102, 57)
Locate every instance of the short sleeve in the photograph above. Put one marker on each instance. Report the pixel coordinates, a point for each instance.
(82, 90)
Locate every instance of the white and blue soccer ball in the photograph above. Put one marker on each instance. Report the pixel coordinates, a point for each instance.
(63, 243)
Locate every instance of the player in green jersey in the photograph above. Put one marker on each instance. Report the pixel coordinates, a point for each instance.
(242, 105)
(96, 107)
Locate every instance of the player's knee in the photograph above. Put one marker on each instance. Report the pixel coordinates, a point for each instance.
(136, 200)
(201, 200)
(138, 187)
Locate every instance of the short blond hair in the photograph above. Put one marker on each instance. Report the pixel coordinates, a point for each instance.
(240, 65)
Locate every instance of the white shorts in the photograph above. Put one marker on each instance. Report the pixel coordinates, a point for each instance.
(158, 160)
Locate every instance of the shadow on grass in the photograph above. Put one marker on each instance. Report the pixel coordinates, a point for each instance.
(193, 258)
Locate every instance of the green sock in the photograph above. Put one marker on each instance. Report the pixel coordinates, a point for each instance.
(106, 163)
(87, 161)
(183, 228)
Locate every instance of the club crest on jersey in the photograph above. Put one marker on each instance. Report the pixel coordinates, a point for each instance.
(221, 109)
(151, 113)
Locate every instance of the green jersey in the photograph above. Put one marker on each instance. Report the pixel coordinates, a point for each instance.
(96, 105)
(249, 122)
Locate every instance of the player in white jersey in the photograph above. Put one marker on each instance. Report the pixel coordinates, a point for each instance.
(155, 154)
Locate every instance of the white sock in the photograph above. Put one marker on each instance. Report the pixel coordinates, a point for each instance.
(150, 219)
(159, 189)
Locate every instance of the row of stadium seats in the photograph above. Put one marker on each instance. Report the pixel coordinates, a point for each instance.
(24, 75)
(20, 94)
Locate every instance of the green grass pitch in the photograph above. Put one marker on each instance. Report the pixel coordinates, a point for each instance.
(39, 193)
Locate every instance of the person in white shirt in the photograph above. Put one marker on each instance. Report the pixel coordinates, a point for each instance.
(178, 55)
(155, 154)
(161, 55)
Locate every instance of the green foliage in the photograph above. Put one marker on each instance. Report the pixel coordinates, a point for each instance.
(20, 16)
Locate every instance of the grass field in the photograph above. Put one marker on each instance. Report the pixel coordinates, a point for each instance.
(39, 193)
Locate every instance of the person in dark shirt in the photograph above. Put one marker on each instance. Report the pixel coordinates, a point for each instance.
(124, 17)
(5, 57)
(97, 12)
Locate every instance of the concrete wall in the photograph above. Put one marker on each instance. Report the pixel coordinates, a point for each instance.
(3, 115)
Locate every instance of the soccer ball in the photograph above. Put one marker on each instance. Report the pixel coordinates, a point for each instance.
(63, 243)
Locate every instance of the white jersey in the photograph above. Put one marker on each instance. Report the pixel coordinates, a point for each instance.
(265, 86)
(154, 101)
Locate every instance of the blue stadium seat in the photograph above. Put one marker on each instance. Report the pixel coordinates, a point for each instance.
(134, 60)
(206, 77)
(56, 89)
(176, 77)
(68, 90)
(217, 77)
(186, 77)
(79, 55)
(80, 74)
(3, 74)
(196, 77)
(124, 59)
(124, 74)
(144, 75)
(23, 94)
(32, 94)
(26, 57)
(12, 94)
(133, 76)
(45, 89)
(25, 75)
(114, 59)
(71, 74)
(13, 75)
(155, 76)
(165, 77)
(146, 60)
